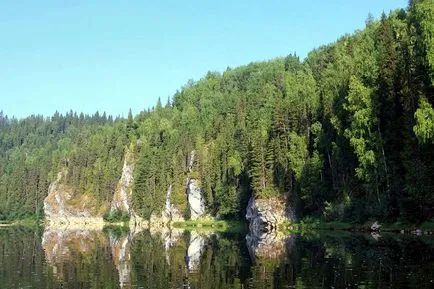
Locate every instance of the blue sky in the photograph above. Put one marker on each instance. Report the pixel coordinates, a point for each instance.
(115, 55)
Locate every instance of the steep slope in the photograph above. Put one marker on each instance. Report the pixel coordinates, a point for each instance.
(63, 206)
(346, 134)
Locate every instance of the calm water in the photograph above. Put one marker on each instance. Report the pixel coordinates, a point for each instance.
(116, 259)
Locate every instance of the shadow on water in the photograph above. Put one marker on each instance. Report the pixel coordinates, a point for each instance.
(115, 258)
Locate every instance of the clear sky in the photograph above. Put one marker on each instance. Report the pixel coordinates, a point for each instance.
(115, 55)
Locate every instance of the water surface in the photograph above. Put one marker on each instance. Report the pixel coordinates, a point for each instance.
(176, 259)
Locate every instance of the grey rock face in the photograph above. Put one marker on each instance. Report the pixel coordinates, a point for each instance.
(191, 161)
(265, 214)
(121, 198)
(57, 203)
(170, 211)
(375, 226)
(195, 199)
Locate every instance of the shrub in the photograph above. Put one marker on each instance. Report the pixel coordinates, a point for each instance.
(116, 216)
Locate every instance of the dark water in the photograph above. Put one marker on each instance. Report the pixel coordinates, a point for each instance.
(117, 259)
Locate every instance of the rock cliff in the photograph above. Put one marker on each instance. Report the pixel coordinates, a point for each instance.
(121, 198)
(171, 213)
(62, 205)
(265, 215)
(195, 198)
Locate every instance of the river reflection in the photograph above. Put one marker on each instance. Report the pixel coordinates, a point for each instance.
(117, 258)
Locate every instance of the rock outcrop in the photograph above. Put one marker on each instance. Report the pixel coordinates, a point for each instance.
(375, 227)
(121, 198)
(195, 199)
(170, 211)
(265, 215)
(62, 206)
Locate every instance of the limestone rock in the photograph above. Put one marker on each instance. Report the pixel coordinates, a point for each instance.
(265, 214)
(375, 226)
(195, 199)
(62, 205)
(122, 196)
(170, 211)
(191, 161)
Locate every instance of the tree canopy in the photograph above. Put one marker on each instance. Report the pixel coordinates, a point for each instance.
(345, 134)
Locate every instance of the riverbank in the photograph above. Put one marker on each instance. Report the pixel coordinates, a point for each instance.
(211, 225)
(28, 222)
(425, 228)
(305, 225)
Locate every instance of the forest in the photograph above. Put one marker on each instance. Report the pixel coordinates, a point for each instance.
(346, 134)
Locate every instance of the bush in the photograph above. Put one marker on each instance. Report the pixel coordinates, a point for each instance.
(116, 217)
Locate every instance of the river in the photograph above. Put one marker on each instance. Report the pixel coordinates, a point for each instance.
(117, 258)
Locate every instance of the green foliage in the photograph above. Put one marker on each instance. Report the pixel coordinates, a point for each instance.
(423, 11)
(211, 225)
(424, 128)
(268, 192)
(361, 132)
(337, 134)
(33, 150)
(298, 154)
(116, 217)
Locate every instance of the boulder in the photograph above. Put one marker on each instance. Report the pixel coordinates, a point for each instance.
(375, 226)
(265, 215)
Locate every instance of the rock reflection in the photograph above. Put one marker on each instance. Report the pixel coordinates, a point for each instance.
(169, 236)
(65, 249)
(63, 245)
(195, 250)
(114, 259)
(268, 245)
(120, 248)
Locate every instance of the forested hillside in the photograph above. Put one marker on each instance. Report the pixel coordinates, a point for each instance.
(345, 134)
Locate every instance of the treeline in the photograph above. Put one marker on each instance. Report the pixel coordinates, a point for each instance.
(345, 134)
(33, 150)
